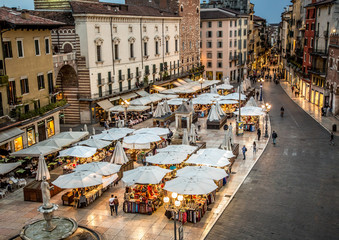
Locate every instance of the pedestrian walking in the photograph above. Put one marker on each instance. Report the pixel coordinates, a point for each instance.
(332, 139)
(257, 94)
(254, 148)
(259, 133)
(274, 137)
(244, 150)
(292, 88)
(111, 204)
(116, 205)
(225, 127)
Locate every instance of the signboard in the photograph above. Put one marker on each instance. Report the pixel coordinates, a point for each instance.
(181, 232)
(240, 128)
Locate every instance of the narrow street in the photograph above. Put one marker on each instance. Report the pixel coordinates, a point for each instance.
(289, 193)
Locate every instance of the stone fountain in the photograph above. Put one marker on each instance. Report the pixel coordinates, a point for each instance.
(54, 228)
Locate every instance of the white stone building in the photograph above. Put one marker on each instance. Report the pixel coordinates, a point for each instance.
(123, 49)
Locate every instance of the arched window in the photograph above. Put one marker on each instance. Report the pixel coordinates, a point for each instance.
(68, 48)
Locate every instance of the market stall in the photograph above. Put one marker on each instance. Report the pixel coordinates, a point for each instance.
(216, 117)
(141, 145)
(250, 116)
(197, 193)
(162, 115)
(145, 195)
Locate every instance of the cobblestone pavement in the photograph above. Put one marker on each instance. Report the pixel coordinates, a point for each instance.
(15, 212)
(292, 191)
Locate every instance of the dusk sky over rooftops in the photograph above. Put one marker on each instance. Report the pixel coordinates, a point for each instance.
(268, 9)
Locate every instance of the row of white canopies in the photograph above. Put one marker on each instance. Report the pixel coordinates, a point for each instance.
(190, 180)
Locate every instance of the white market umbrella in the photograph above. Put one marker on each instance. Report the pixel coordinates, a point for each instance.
(202, 172)
(35, 151)
(165, 158)
(154, 131)
(251, 103)
(225, 102)
(191, 186)
(176, 101)
(119, 155)
(7, 167)
(42, 169)
(78, 180)
(93, 131)
(193, 136)
(185, 138)
(109, 136)
(159, 111)
(227, 141)
(250, 111)
(70, 129)
(141, 101)
(145, 175)
(215, 152)
(166, 107)
(178, 148)
(208, 160)
(78, 151)
(213, 115)
(219, 110)
(202, 101)
(225, 87)
(125, 131)
(72, 137)
(101, 168)
(57, 142)
(234, 96)
(96, 143)
(140, 141)
(85, 128)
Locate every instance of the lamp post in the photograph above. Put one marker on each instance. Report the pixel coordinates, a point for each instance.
(125, 104)
(261, 80)
(239, 116)
(177, 199)
(201, 81)
(266, 107)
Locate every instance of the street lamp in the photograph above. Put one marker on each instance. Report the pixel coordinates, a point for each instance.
(261, 81)
(266, 107)
(174, 208)
(125, 104)
(239, 116)
(201, 81)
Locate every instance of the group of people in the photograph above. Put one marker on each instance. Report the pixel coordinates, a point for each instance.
(114, 205)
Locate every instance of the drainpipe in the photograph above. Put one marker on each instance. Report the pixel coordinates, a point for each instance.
(111, 26)
(142, 57)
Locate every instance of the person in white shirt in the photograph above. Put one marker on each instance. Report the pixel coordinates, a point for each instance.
(111, 204)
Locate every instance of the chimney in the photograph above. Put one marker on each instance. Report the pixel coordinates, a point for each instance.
(24, 14)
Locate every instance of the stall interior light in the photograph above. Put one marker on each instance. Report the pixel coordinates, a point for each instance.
(166, 199)
(174, 195)
(180, 197)
(177, 203)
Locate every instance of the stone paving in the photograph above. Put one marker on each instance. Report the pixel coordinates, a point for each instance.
(311, 109)
(15, 212)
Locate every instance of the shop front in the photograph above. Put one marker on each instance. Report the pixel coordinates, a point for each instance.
(31, 137)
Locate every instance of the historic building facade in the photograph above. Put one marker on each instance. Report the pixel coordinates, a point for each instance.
(30, 106)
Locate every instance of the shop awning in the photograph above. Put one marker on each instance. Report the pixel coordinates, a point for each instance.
(158, 88)
(9, 134)
(7, 167)
(114, 98)
(142, 93)
(181, 81)
(176, 83)
(105, 104)
(129, 96)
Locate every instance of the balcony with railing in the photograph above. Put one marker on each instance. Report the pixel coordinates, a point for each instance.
(121, 77)
(63, 58)
(129, 76)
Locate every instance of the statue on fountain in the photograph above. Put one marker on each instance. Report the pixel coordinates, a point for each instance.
(46, 195)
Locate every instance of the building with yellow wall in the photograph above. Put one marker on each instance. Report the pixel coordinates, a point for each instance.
(29, 109)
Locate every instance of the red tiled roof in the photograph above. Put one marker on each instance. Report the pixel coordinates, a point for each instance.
(59, 16)
(13, 17)
(117, 9)
(319, 3)
(257, 18)
(214, 14)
